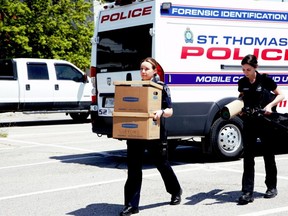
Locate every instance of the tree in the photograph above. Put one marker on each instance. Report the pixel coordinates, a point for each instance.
(59, 29)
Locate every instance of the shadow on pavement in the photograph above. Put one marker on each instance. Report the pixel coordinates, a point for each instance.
(218, 197)
(97, 210)
(117, 159)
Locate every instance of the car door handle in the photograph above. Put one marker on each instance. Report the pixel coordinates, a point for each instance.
(56, 87)
(27, 87)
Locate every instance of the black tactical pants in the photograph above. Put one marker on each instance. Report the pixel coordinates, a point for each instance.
(135, 152)
(253, 129)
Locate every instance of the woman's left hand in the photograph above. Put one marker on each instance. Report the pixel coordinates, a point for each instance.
(268, 110)
(158, 114)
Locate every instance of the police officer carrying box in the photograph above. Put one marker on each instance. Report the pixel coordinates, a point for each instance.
(256, 92)
(157, 149)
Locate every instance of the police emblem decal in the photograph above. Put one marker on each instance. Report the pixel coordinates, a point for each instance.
(188, 35)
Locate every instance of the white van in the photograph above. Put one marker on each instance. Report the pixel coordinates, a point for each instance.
(200, 45)
(44, 86)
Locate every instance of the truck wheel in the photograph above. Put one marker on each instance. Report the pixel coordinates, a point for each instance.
(79, 116)
(226, 138)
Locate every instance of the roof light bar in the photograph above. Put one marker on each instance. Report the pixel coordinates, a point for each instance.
(123, 2)
(166, 5)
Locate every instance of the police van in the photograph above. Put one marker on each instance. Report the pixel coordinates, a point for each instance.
(200, 45)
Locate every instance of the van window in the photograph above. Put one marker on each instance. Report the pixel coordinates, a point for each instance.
(122, 50)
(37, 71)
(6, 69)
(67, 72)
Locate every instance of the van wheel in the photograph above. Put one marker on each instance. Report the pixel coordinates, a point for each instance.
(226, 138)
(79, 116)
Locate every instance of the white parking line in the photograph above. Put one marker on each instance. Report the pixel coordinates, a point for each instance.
(88, 185)
(60, 189)
(182, 169)
(187, 168)
(49, 162)
(32, 144)
(267, 212)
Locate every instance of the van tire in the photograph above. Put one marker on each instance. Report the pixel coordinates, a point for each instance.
(79, 116)
(226, 138)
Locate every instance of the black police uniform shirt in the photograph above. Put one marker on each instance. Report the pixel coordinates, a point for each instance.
(257, 94)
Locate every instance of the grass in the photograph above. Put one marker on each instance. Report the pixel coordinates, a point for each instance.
(3, 134)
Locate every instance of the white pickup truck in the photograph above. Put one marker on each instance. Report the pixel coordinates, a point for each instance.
(44, 86)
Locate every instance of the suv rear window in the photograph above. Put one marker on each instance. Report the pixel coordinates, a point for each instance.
(6, 69)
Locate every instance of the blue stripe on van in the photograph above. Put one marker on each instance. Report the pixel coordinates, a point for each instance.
(214, 78)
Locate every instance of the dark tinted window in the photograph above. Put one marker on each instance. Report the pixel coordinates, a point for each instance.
(37, 71)
(67, 72)
(6, 69)
(123, 49)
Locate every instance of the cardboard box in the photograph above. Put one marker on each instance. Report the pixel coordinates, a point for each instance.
(135, 126)
(137, 96)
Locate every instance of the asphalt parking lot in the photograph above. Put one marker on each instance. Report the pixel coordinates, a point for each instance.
(52, 166)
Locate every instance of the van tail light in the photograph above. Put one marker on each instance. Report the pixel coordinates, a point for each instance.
(160, 72)
(94, 84)
(94, 99)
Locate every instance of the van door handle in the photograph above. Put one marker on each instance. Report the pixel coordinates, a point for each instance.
(27, 87)
(56, 87)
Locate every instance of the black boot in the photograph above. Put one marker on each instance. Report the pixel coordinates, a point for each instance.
(270, 193)
(129, 210)
(245, 198)
(176, 198)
